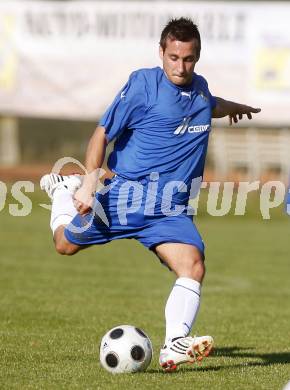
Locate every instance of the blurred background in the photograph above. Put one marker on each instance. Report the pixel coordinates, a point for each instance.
(62, 63)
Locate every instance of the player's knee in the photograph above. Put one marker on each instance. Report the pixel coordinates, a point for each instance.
(62, 245)
(197, 265)
(64, 248)
(192, 267)
(201, 267)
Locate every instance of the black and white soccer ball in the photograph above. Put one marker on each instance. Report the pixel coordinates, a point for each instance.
(125, 348)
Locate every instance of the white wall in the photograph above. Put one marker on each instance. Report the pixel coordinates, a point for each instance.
(68, 59)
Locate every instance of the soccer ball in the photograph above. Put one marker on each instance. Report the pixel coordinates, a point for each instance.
(125, 348)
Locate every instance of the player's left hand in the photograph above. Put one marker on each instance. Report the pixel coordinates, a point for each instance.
(240, 110)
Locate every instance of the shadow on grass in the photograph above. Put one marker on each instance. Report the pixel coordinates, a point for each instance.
(232, 352)
(242, 352)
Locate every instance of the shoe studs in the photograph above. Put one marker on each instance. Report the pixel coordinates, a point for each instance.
(169, 366)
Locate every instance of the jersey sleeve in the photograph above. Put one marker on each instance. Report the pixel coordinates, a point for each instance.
(127, 109)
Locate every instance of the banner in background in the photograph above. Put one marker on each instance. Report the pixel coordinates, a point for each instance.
(69, 59)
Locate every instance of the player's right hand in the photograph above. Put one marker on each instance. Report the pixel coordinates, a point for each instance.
(83, 200)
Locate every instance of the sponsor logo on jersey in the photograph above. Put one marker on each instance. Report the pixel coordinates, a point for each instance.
(181, 129)
(198, 129)
(188, 94)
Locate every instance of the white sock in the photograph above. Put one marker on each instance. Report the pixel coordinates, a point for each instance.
(181, 308)
(63, 209)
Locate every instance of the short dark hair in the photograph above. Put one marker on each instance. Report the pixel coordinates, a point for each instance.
(181, 29)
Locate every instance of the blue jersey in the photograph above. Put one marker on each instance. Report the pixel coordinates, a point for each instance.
(160, 127)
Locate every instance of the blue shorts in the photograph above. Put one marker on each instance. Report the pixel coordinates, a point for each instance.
(124, 215)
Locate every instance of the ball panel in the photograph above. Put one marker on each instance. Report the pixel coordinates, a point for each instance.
(112, 360)
(137, 353)
(141, 333)
(116, 333)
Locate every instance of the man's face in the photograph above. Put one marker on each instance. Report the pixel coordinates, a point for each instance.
(179, 59)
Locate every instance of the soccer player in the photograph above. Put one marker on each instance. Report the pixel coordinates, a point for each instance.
(160, 121)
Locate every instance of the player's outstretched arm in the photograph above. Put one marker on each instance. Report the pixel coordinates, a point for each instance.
(235, 111)
(95, 154)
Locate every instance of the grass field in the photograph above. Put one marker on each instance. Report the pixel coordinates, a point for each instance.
(54, 310)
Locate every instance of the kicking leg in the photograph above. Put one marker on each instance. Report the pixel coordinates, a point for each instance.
(61, 189)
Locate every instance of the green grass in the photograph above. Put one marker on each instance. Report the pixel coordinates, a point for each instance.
(54, 310)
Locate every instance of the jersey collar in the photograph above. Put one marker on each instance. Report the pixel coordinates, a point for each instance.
(185, 88)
